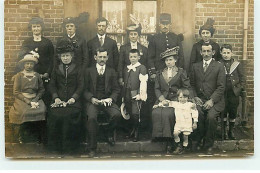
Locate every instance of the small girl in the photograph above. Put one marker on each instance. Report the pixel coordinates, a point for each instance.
(135, 90)
(186, 118)
(28, 90)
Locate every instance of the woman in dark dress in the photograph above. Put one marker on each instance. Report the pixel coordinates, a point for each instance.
(206, 32)
(66, 86)
(167, 83)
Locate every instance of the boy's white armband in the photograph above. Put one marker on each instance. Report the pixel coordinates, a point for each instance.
(143, 86)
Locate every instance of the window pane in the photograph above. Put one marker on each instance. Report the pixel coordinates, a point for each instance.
(145, 12)
(115, 13)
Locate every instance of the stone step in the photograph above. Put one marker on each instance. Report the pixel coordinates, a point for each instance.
(35, 150)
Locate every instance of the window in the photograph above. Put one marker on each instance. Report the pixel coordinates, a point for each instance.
(118, 14)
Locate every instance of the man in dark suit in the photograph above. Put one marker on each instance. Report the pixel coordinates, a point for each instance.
(208, 82)
(101, 93)
(70, 25)
(133, 32)
(102, 40)
(161, 42)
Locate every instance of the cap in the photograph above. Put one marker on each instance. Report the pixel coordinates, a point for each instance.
(165, 18)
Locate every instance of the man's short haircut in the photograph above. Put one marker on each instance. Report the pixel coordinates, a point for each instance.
(101, 49)
(101, 19)
(184, 91)
(206, 44)
(226, 46)
(134, 51)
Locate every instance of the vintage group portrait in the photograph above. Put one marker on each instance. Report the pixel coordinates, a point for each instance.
(129, 79)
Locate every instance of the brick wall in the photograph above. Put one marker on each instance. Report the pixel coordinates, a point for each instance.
(229, 23)
(17, 15)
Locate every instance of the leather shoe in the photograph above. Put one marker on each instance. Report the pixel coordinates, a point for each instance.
(111, 141)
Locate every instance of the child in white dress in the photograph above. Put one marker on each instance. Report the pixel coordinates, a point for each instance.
(186, 116)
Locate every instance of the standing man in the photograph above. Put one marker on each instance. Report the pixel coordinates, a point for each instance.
(70, 25)
(102, 40)
(208, 83)
(101, 93)
(161, 42)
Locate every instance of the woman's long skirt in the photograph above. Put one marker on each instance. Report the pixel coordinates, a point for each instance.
(163, 122)
(64, 129)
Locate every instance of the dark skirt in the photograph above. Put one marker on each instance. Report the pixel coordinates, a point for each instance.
(64, 129)
(163, 122)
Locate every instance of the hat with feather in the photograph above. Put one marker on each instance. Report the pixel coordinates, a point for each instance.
(208, 26)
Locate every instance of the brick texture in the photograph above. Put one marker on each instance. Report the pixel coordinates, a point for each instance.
(228, 15)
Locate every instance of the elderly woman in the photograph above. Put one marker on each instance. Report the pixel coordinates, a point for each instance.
(28, 108)
(206, 32)
(66, 86)
(70, 25)
(167, 83)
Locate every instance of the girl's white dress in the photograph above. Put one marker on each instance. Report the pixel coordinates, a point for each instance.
(184, 113)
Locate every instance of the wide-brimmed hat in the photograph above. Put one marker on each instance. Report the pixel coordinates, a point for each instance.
(165, 18)
(65, 45)
(170, 52)
(208, 26)
(36, 20)
(28, 57)
(124, 113)
(134, 27)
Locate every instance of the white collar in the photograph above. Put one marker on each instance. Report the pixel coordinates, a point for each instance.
(133, 67)
(103, 36)
(208, 62)
(72, 35)
(99, 67)
(37, 37)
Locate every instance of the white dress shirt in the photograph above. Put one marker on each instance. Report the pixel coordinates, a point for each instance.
(99, 68)
(133, 45)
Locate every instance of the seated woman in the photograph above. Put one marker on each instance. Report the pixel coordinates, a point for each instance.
(66, 86)
(167, 83)
(28, 109)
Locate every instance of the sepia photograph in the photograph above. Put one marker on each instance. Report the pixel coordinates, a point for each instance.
(128, 79)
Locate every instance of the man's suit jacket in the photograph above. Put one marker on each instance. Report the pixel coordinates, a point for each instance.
(124, 57)
(197, 57)
(237, 76)
(209, 85)
(159, 43)
(111, 47)
(112, 89)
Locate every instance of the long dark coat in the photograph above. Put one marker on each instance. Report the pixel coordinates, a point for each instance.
(64, 122)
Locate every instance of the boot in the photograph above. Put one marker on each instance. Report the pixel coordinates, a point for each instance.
(231, 129)
(178, 149)
(136, 135)
(225, 131)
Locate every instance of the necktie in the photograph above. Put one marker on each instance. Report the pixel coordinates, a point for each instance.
(205, 66)
(101, 41)
(101, 71)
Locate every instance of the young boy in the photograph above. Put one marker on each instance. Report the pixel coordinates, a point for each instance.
(135, 89)
(235, 82)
